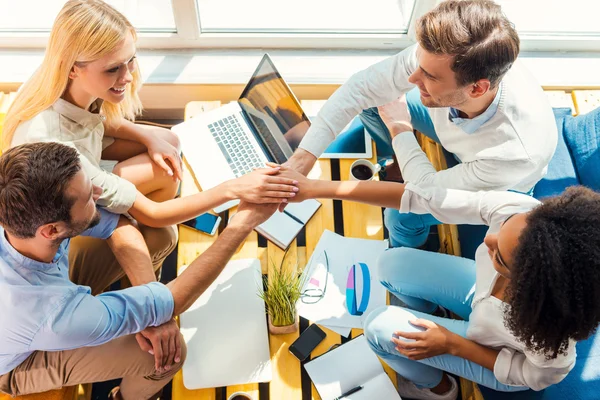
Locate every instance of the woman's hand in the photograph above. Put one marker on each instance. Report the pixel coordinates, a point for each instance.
(160, 152)
(395, 116)
(435, 341)
(302, 182)
(263, 186)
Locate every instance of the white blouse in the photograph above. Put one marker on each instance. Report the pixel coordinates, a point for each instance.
(515, 365)
(66, 123)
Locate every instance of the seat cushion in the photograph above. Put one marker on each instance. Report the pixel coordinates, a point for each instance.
(582, 383)
(561, 170)
(582, 135)
(578, 142)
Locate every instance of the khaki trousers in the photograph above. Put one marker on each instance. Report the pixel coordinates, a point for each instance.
(93, 264)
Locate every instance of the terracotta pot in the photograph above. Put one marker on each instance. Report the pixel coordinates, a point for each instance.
(284, 330)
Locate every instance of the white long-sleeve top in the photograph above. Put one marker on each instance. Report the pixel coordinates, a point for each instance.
(515, 365)
(509, 151)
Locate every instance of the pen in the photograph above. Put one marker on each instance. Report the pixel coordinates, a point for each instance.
(349, 392)
(293, 217)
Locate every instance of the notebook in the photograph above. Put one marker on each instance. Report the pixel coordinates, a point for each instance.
(348, 366)
(226, 331)
(283, 227)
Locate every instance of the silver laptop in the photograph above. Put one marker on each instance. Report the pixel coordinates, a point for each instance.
(265, 124)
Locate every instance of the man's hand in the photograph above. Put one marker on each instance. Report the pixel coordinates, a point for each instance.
(164, 342)
(396, 117)
(433, 342)
(251, 215)
(301, 161)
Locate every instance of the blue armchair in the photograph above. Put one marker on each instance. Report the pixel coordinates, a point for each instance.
(576, 162)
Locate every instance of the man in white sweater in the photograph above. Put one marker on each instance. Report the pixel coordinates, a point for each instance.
(471, 95)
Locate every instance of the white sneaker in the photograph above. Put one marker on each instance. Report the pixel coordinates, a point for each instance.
(408, 390)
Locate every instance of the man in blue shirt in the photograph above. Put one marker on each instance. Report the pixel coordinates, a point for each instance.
(55, 333)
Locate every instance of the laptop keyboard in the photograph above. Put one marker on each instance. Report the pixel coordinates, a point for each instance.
(235, 146)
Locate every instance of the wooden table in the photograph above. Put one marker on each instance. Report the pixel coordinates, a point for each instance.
(289, 381)
(347, 218)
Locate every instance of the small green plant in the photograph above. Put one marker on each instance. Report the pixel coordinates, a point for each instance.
(280, 291)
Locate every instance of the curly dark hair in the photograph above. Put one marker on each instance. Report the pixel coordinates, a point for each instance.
(554, 290)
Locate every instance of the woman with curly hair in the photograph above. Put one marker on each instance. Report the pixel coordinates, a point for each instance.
(529, 296)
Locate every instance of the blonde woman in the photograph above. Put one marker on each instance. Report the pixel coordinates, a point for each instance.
(85, 95)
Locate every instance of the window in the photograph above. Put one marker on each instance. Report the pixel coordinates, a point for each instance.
(145, 15)
(376, 24)
(553, 17)
(308, 16)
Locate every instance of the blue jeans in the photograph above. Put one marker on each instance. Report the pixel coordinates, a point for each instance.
(406, 230)
(447, 281)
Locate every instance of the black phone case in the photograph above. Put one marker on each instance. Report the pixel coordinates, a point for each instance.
(297, 354)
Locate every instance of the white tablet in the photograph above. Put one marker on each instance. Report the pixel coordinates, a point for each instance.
(352, 142)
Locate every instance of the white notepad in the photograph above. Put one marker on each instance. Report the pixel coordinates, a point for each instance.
(348, 366)
(226, 331)
(283, 227)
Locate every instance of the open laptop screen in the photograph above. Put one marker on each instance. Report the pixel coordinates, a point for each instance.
(268, 101)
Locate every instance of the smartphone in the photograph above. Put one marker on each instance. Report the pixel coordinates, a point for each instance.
(207, 223)
(307, 341)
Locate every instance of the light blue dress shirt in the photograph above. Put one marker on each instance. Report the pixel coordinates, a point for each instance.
(41, 309)
(471, 125)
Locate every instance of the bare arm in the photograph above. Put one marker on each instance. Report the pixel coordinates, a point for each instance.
(301, 161)
(175, 211)
(201, 273)
(473, 351)
(261, 186)
(382, 194)
(130, 250)
(129, 131)
(153, 138)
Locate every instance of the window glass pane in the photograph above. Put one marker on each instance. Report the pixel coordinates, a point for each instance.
(553, 17)
(145, 15)
(307, 16)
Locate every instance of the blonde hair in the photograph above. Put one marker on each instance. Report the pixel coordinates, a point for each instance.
(84, 31)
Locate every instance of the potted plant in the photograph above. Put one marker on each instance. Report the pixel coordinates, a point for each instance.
(280, 292)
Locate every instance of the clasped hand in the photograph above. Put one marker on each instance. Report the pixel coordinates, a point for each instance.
(395, 116)
(163, 342)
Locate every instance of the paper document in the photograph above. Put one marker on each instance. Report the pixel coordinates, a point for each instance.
(340, 330)
(348, 366)
(283, 227)
(342, 285)
(226, 331)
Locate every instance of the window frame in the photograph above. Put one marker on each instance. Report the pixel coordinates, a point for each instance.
(189, 35)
